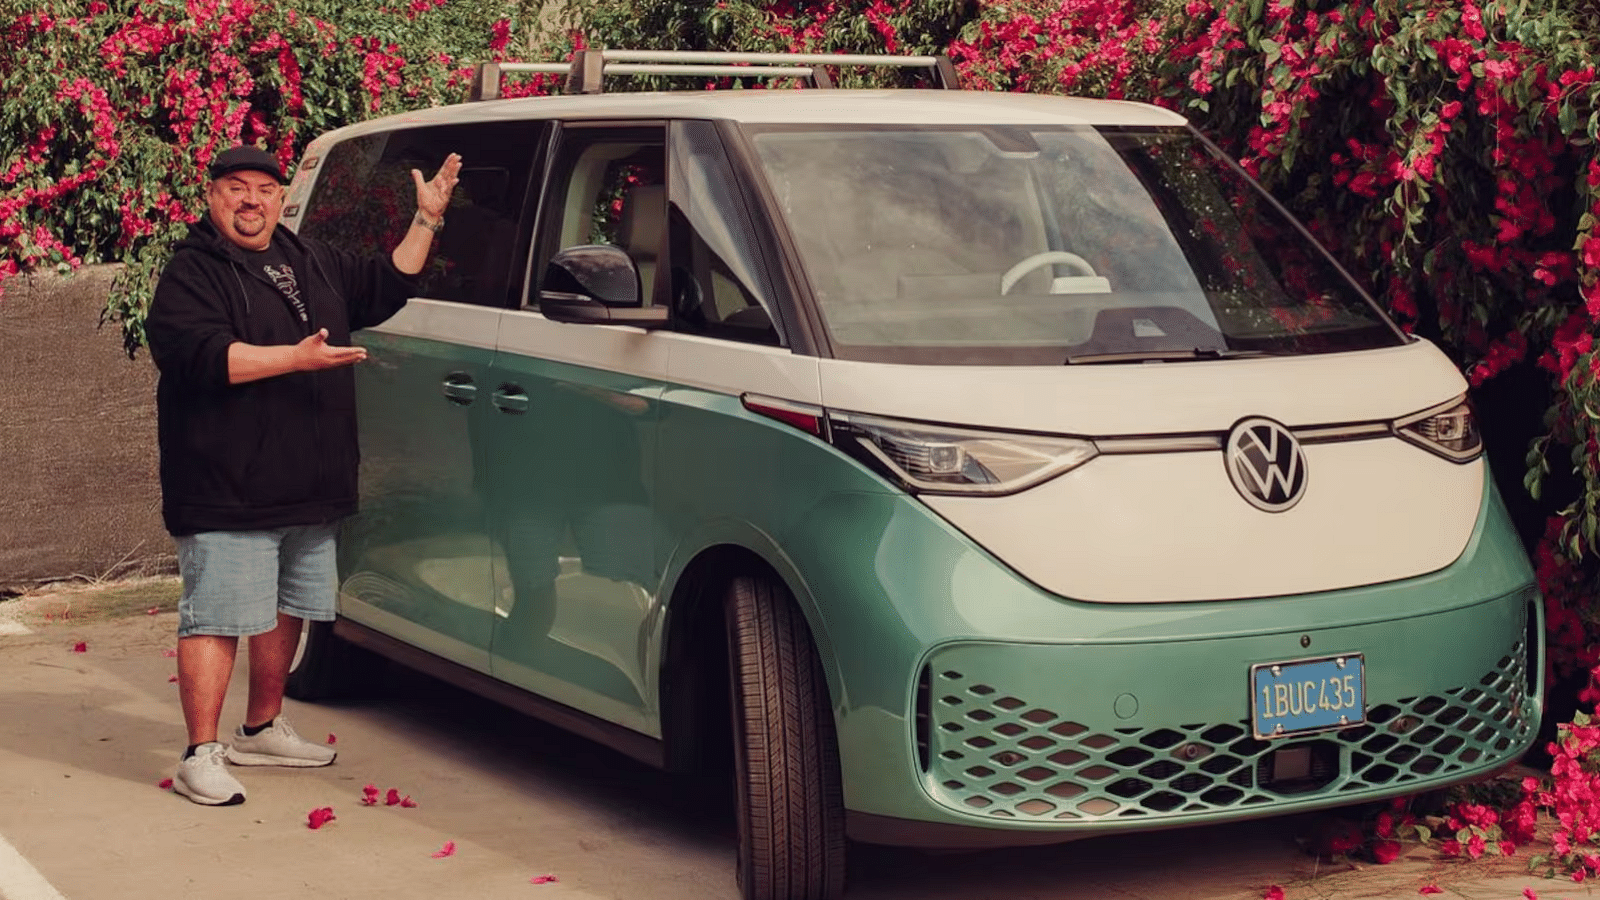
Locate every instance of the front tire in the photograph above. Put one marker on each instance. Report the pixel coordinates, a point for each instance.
(786, 761)
(323, 667)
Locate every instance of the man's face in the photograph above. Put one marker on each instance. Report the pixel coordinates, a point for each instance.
(245, 207)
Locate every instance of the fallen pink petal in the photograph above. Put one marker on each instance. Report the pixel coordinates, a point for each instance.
(1430, 889)
(407, 803)
(1385, 852)
(152, 611)
(369, 795)
(1528, 892)
(80, 647)
(172, 679)
(333, 738)
(319, 817)
(1273, 893)
(542, 879)
(449, 849)
(392, 798)
(165, 784)
(169, 654)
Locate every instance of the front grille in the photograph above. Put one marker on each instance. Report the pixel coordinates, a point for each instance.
(992, 752)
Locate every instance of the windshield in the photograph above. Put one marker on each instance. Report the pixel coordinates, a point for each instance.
(1028, 245)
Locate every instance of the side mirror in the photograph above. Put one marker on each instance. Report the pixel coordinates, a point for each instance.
(596, 284)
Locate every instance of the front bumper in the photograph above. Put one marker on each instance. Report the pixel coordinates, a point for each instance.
(1096, 736)
(975, 709)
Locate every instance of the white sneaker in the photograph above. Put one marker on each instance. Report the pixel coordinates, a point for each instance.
(277, 745)
(204, 778)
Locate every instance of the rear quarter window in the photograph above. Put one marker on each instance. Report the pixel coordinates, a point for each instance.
(364, 199)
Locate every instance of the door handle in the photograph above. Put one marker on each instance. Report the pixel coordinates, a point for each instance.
(510, 399)
(459, 389)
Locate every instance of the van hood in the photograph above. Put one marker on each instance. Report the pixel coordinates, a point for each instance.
(1170, 525)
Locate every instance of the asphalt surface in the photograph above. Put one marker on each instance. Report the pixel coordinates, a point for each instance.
(86, 738)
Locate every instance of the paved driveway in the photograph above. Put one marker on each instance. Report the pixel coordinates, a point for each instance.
(86, 737)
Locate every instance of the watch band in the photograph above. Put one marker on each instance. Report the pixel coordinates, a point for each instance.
(422, 220)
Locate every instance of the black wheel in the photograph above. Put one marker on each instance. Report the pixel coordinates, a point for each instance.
(324, 665)
(786, 760)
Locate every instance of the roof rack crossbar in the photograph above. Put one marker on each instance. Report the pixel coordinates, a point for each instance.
(816, 59)
(588, 68)
(753, 71)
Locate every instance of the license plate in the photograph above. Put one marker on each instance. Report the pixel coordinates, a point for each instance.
(1306, 695)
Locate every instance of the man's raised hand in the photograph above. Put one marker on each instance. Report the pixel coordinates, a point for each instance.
(433, 196)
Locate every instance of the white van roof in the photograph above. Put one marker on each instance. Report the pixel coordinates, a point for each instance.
(790, 106)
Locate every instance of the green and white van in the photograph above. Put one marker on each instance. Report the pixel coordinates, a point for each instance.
(961, 469)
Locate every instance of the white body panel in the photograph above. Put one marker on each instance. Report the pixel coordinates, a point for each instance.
(1164, 527)
(1170, 526)
(665, 356)
(439, 320)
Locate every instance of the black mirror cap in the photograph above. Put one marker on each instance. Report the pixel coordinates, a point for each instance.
(596, 284)
(599, 272)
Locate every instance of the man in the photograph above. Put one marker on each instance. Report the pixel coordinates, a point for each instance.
(250, 329)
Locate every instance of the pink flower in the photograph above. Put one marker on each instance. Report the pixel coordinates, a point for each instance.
(1385, 825)
(1385, 852)
(407, 803)
(1529, 893)
(392, 798)
(319, 817)
(165, 784)
(333, 738)
(369, 795)
(449, 849)
(542, 879)
(79, 647)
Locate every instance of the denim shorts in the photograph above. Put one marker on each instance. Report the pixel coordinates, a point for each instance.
(236, 582)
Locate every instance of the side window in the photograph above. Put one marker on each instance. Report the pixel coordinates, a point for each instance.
(365, 197)
(719, 285)
(609, 187)
(342, 209)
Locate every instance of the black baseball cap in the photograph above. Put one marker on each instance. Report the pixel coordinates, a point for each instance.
(239, 159)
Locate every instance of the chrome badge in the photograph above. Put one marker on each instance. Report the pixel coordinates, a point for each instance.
(1266, 464)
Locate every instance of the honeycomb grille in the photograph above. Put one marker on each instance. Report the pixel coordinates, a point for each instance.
(996, 754)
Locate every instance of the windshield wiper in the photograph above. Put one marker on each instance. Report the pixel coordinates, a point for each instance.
(1140, 356)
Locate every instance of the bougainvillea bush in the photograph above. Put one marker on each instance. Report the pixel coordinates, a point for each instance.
(112, 108)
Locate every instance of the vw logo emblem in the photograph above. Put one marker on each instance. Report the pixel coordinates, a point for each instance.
(1266, 464)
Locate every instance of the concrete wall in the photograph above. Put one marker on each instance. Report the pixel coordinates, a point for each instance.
(78, 491)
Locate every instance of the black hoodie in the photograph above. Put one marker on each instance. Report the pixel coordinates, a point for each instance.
(272, 453)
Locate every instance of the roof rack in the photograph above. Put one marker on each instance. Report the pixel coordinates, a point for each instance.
(587, 71)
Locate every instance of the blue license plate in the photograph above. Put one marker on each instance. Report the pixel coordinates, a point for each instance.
(1302, 696)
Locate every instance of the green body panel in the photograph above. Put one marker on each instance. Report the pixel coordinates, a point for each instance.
(571, 518)
(889, 587)
(600, 492)
(416, 560)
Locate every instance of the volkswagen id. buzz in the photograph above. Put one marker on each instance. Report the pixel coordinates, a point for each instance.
(960, 469)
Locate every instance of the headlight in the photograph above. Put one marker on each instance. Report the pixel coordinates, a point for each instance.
(1450, 430)
(937, 459)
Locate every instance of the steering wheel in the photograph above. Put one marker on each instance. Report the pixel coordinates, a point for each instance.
(1045, 258)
